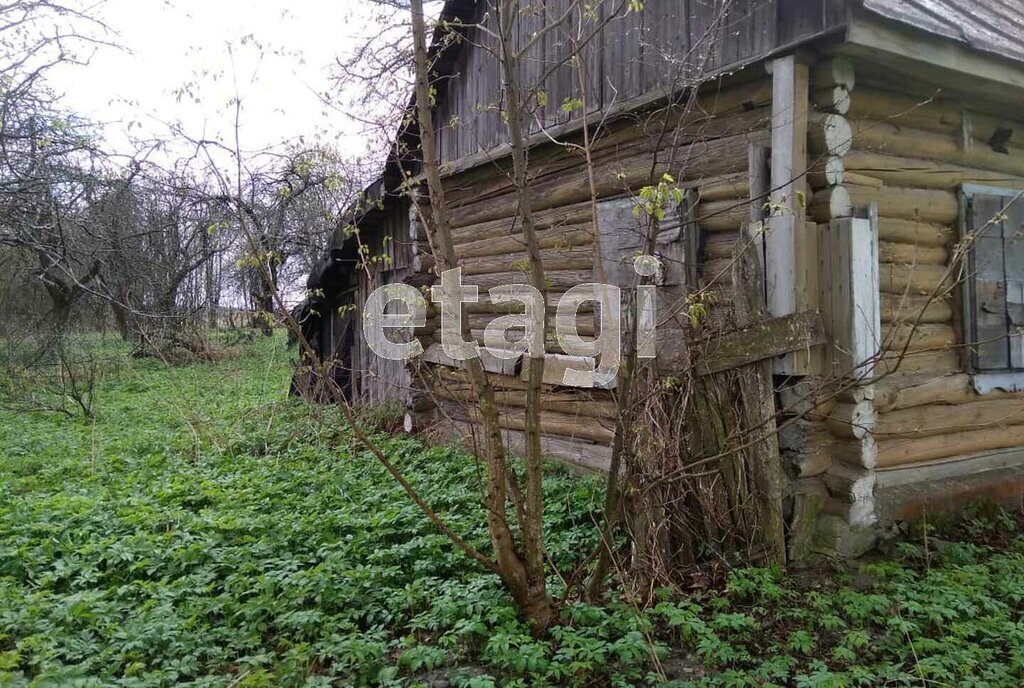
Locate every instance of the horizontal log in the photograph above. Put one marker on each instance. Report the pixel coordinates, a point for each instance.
(901, 392)
(551, 341)
(917, 337)
(899, 230)
(835, 71)
(944, 419)
(429, 334)
(831, 203)
(556, 237)
(454, 377)
(910, 254)
(829, 170)
(858, 179)
(578, 454)
(559, 280)
(478, 322)
(557, 364)
(850, 484)
(896, 278)
(834, 99)
(485, 305)
(723, 187)
(554, 258)
(806, 447)
(717, 272)
(644, 137)
(704, 157)
(930, 113)
(763, 340)
(721, 245)
(557, 424)
(828, 134)
(924, 174)
(890, 139)
(851, 421)
(569, 404)
(549, 218)
(723, 216)
(903, 452)
(858, 454)
(933, 206)
(913, 308)
(931, 362)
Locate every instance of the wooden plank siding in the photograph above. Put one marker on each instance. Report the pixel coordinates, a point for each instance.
(670, 44)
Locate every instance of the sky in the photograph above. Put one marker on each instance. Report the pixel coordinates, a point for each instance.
(175, 66)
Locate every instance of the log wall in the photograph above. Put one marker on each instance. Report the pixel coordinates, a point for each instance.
(706, 148)
(906, 154)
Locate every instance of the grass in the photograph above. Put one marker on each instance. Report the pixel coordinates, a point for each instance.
(205, 530)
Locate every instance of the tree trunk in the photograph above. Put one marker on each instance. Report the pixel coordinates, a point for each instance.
(262, 296)
(539, 604)
(525, 584)
(121, 320)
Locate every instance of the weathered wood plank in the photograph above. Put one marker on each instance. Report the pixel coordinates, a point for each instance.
(763, 340)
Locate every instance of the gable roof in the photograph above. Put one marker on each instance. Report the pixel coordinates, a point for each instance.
(991, 26)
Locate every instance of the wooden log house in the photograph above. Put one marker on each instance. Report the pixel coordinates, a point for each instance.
(881, 143)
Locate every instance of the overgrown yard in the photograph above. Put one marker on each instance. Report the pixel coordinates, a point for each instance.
(205, 530)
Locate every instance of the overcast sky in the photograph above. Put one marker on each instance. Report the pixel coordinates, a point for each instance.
(170, 45)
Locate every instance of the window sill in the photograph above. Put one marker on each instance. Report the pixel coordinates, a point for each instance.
(1010, 381)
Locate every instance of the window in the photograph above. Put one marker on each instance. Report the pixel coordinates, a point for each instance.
(994, 286)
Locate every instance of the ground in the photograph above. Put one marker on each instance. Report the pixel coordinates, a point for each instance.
(203, 529)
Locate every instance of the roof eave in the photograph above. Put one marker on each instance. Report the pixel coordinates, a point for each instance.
(878, 35)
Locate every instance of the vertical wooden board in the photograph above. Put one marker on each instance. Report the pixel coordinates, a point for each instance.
(530, 22)
(825, 287)
(492, 92)
(622, 54)
(865, 297)
(595, 61)
(697, 44)
(759, 172)
(988, 279)
(1013, 262)
(835, 13)
(841, 297)
(738, 31)
(564, 76)
(618, 232)
(481, 92)
(704, 37)
(666, 31)
(848, 255)
(788, 183)
(798, 19)
(458, 89)
(688, 248)
(763, 27)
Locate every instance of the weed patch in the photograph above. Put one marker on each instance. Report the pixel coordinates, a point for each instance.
(202, 529)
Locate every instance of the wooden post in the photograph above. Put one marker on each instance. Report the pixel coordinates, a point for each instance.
(760, 190)
(758, 402)
(851, 300)
(786, 268)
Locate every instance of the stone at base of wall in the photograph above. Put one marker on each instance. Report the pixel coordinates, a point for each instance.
(835, 537)
(919, 492)
(819, 526)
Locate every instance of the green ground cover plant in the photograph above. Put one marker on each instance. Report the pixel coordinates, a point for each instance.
(203, 529)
